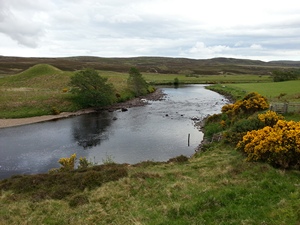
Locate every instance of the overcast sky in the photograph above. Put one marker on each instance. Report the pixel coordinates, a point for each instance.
(257, 29)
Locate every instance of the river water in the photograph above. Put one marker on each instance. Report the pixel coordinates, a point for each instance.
(158, 131)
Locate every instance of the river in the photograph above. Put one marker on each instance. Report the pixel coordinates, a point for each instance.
(158, 131)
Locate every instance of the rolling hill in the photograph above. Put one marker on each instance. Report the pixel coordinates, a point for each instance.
(13, 65)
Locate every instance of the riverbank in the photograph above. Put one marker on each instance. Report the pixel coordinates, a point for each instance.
(139, 101)
(214, 187)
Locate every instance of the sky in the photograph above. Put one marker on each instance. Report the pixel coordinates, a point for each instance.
(200, 29)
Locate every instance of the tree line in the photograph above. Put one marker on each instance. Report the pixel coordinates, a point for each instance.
(285, 75)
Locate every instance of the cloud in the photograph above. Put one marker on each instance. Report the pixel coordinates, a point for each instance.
(191, 28)
(19, 26)
(255, 46)
(200, 50)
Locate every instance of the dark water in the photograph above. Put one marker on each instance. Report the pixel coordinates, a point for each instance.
(158, 131)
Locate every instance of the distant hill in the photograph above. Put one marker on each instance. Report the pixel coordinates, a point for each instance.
(13, 65)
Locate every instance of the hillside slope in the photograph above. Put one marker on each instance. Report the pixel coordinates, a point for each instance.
(11, 65)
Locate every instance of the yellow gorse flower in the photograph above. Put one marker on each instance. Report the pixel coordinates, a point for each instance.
(67, 163)
(279, 144)
(249, 104)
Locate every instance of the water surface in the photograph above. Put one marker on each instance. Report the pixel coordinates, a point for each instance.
(158, 131)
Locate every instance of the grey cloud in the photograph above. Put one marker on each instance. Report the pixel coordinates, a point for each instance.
(18, 26)
(150, 27)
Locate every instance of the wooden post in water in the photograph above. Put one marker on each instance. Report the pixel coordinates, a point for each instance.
(189, 140)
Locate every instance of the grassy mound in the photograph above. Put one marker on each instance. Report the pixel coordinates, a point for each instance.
(38, 77)
(39, 70)
(34, 92)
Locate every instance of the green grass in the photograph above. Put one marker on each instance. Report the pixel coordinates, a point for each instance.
(214, 187)
(39, 89)
(203, 79)
(273, 90)
(35, 92)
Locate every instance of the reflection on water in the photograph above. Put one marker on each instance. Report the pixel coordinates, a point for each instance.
(89, 133)
(158, 131)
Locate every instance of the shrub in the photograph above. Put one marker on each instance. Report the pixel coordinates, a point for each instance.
(67, 163)
(91, 90)
(176, 82)
(151, 89)
(250, 104)
(55, 111)
(211, 129)
(254, 102)
(214, 118)
(279, 145)
(240, 128)
(136, 82)
(270, 118)
(83, 163)
(64, 90)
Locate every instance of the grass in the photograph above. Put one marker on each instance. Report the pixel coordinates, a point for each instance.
(42, 88)
(273, 90)
(203, 79)
(213, 187)
(35, 92)
(287, 91)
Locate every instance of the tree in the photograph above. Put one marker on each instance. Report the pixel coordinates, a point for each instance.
(136, 82)
(91, 89)
(283, 75)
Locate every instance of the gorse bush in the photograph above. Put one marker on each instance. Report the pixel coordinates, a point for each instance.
(67, 163)
(240, 128)
(238, 119)
(211, 129)
(279, 145)
(270, 118)
(253, 122)
(250, 104)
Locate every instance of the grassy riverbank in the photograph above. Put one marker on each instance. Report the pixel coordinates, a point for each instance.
(214, 187)
(44, 89)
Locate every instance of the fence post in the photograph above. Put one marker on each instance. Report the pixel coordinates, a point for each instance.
(285, 107)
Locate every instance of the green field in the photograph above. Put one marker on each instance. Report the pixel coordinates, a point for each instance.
(273, 90)
(215, 186)
(287, 91)
(43, 89)
(204, 79)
